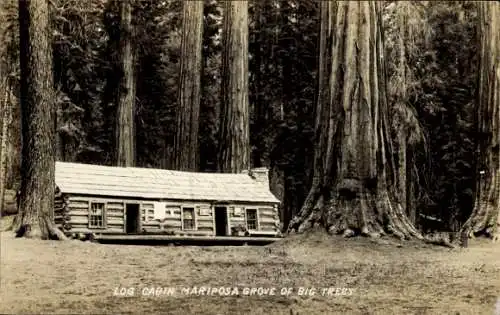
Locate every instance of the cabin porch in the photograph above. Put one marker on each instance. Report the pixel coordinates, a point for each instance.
(166, 239)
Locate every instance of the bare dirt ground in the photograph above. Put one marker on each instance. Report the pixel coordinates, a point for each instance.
(74, 277)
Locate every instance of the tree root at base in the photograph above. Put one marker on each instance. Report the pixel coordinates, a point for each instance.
(368, 214)
(45, 230)
(482, 223)
(441, 240)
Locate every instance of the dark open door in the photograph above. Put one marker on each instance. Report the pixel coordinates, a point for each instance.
(133, 221)
(220, 221)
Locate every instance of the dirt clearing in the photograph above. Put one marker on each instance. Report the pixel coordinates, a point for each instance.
(346, 276)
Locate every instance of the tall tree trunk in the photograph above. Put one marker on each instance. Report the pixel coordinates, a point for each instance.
(234, 141)
(411, 188)
(405, 123)
(186, 156)
(6, 110)
(36, 203)
(402, 132)
(353, 169)
(4, 114)
(485, 218)
(125, 129)
(402, 170)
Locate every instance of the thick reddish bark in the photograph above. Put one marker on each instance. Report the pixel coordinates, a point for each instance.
(36, 204)
(125, 129)
(353, 168)
(186, 149)
(485, 219)
(234, 140)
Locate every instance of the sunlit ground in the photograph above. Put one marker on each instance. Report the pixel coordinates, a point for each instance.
(46, 277)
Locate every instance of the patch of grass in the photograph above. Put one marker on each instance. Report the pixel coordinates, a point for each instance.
(6, 222)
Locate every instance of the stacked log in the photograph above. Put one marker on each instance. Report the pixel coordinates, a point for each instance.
(61, 213)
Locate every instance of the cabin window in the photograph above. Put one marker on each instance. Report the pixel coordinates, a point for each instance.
(251, 218)
(188, 219)
(96, 215)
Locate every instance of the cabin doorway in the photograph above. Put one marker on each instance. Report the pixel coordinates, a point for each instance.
(133, 218)
(220, 221)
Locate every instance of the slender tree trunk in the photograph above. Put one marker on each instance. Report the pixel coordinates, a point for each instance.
(186, 148)
(402, 114)
(485, 218)
(411, 182)
(5, 111)
(287, 210)
(36, 204)
(402, 132)
(125, 129)
(234, 141)
(4, 152)
(353, 169)
(402, 169)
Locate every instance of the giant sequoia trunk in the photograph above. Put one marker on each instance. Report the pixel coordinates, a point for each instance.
(187, 117)
(234, 141)
(36, 204)
(485, 219)
(354, 176)
(125, 131)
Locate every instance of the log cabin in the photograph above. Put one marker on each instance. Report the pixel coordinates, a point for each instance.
(99, 200)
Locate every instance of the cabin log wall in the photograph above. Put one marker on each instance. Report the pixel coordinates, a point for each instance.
(267, 216)
(79, 214)
(72, 213)
(171, 221)
(61, 215)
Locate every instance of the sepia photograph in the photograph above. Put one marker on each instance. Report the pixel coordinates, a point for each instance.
(249, 157)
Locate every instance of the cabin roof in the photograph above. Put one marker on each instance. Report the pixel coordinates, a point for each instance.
(149, 183)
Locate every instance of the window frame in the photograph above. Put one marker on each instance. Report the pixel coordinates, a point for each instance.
(257, 227)
(103, 215)
(193, 209)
